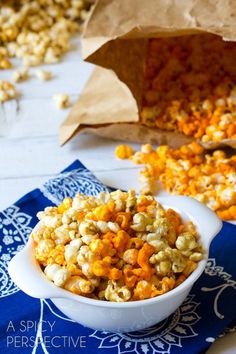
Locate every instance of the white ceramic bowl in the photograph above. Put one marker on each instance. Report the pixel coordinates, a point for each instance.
(110, 316)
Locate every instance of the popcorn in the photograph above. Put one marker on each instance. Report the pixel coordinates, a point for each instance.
(78, 285)
(88, 228)
(44, 247)
(43, 75)
(186, 241)
(108, 226)
(60, 277)
(62, 100)
(7, 91)
(62, 235)
(92, 248)
(140, 221)
(71, 250)
(190, 87)
(20, 75)
(5, 63)
(117, 293)
(188, 171)
(39, 32)
(123, 151)
(164, 267)
(130, 256)
(51, 270)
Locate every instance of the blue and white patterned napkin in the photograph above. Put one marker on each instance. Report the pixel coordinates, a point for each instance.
(29, 325)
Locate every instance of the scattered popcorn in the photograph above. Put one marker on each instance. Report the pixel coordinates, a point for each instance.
(4, 62)
(39, 32)
(116, 247)
(43, 75)
(7, 91)
(20, 75)
(62, 100)
(190, 87)
(209, 178)
(124, 151)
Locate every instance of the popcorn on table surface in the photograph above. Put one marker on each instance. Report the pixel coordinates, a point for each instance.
(20, 75)
(207, 177)
(116, 247)
(43, 75)
(38, 32)
(62, 100)
(7, 91)
(190, 86)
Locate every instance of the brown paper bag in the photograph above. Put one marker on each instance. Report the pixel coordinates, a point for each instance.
(116, 39)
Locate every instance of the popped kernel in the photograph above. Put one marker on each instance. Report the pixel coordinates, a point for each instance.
(116, 293)
(20, 75)
(39, 32)
(190, 87)
(61, 277)
(5, 64)
(130, 256)
(7, 91)
(79, 285)
(62, 100)
(123, 151)
(43, 75)
(139, 250)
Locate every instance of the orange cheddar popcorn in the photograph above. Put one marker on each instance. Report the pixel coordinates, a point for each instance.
(120, 240)
(115, 274)
(143, 256)
(123, 219)
(123, 151)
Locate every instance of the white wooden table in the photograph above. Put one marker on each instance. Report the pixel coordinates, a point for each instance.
(30, 152)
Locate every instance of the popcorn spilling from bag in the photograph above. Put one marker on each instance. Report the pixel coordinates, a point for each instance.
(116, 247)
(207, 177)
(190, 87)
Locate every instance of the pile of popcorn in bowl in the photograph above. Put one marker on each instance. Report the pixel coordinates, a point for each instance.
(116, 246)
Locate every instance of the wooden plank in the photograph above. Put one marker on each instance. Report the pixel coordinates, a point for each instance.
(39, 156)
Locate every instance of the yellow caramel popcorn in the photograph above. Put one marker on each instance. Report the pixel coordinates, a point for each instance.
(62, 100)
